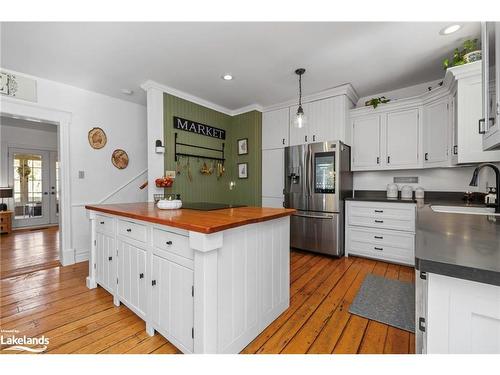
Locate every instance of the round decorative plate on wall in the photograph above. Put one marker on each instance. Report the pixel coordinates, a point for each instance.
(119, 159)
(97, 138)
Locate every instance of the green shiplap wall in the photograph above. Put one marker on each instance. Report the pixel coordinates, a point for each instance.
(208, 188)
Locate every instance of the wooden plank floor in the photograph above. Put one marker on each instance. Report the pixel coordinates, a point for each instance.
(56, 303)
(28, 250)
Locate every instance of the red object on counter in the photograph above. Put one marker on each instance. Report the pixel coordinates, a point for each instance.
(164, 182)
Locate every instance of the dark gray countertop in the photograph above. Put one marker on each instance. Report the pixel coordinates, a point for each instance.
(458, 245)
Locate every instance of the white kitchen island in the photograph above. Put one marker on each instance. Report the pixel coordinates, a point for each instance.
(208, 281)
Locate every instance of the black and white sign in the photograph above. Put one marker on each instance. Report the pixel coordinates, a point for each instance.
(195, 127)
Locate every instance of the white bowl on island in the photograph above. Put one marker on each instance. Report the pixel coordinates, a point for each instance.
(173, 204)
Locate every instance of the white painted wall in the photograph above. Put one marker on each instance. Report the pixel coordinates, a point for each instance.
(435, 179)
(15, 133)
(125, 125)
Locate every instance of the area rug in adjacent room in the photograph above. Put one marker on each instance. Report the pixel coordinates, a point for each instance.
(387, 301)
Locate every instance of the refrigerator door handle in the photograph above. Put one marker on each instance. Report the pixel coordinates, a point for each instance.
(315, 216)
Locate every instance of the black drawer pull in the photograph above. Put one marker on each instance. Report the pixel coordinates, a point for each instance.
(129, 230)
(141, 276)
(379, 211)
(110, 258)
(153, 282)
(102, 222)
(379, 221)
(379, 237)
(379, 248)
(169, 243)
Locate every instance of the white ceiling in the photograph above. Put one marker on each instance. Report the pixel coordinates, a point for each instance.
(191, 57)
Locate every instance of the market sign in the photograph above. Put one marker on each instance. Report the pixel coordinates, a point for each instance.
(197, 128)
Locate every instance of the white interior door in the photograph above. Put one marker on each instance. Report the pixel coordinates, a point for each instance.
(29, 174)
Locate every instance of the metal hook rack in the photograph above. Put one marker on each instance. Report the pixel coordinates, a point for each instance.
(177, 154)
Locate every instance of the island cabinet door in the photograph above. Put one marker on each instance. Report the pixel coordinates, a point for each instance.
(172, 302)
(131, 277)
(105, 254)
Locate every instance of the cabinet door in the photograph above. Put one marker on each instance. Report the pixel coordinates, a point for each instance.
(172, 302)
(326, 121)
(463, 317)
(302, 135)
(490, 78)
(491, 139)
(273, 173)
(106, 260)
(132, 276)
(436, 125)
(401, 139)
(275, 126)
(366, 142)
(453, 115)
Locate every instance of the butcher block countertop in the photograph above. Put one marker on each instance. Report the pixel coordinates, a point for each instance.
(193, 220)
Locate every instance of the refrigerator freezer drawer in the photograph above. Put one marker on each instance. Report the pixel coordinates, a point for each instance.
(316, 232)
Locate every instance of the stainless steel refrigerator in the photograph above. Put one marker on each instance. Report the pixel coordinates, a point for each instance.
(317, 179)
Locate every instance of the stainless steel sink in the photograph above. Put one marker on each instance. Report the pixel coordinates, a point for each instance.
(465, 210)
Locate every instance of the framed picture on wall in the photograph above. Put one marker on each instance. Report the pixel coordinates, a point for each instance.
(243, 146)
(242, 170)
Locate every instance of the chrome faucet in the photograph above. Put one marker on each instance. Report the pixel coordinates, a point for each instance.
(473, 181)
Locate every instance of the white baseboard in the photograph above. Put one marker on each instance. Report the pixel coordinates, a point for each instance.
(81, 256)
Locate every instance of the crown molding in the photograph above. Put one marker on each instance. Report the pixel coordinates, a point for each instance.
(194, 99)
(248, 108)
(346, 89)
(463, 71)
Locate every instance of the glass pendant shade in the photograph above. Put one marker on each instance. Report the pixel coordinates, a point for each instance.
(300, 120)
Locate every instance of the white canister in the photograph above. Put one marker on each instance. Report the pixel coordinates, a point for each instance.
(392, 191)
(406, 192)
(419, 192)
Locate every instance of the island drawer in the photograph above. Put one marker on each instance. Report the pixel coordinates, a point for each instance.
(132, 230)
(105, 224)
(172, 242)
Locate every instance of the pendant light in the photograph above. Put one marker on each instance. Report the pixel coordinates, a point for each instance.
(300, 118)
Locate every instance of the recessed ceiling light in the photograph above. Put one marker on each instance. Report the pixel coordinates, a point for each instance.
(227, 77)
(450, 29)
(127, 91)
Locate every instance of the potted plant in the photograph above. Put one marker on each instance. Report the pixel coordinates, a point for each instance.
(469, 53)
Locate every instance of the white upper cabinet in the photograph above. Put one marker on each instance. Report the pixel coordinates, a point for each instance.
(327, 120)
(401, 138)
(491, 79)
(275, 129)
(437, 129)
(469, 112)
(365, 150)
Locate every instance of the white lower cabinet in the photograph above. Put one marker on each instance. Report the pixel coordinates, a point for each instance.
(172, 301)
(105, 261)
(381, 230)
(132, 277)
(462, 316)
(205, 293)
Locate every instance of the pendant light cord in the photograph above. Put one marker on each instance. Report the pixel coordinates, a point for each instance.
(300, 90)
